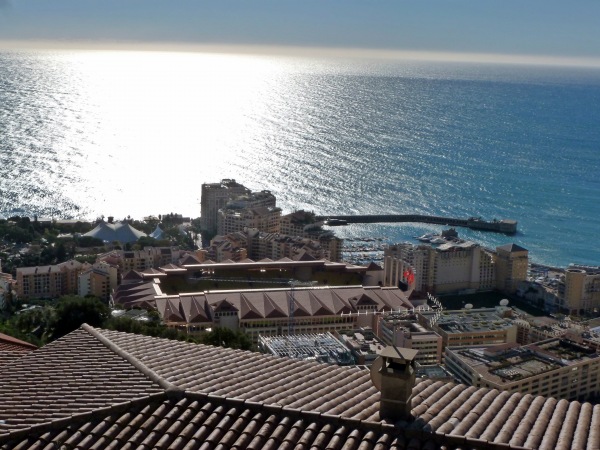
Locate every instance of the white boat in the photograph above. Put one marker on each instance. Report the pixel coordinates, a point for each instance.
(438, 240)
(425, 237)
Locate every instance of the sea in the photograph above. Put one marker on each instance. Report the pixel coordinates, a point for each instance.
(85, 134)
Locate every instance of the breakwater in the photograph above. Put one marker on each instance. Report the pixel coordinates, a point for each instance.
(506, 226)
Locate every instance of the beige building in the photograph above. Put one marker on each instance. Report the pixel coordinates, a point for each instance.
(98, 280)
(330, 243)
(449, 268)
(557, 368)
(231, 247)
(403, 330)
(580, 291)
(277, 245)
(48, 281)
(264, 218)
(455, 267)
(214, 197)
(363, 343)
(255, 244)
(252, 200)
(294, 224)
(483, 326)
(400, 259)
(148, 257)
(511, 267)
(464, 266)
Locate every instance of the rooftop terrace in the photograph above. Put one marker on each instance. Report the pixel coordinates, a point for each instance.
(510, 362)
(468, 320)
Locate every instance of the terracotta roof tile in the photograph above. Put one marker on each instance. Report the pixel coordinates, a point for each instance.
(76, 373)
(104, 389)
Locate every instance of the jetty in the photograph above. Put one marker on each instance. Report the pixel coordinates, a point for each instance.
(506, 226)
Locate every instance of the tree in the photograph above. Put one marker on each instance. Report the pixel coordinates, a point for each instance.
(17, 234)
(89, 241)
(146, 241)
(34, 324)
(73, 311)
(61, 252)
(225, 337)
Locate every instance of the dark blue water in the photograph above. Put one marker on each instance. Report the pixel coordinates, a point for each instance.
(84, 134)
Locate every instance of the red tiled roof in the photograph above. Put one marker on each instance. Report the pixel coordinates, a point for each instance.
(190, 259)
(194, 308)
(172, 268)
(7, 356)
(74, 374)
(107, 389)
(12, 348)
(136, 293)
(133, 275)
(13, 344)
(153, 273)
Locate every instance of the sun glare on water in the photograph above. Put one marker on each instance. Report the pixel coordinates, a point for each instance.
(164, 123)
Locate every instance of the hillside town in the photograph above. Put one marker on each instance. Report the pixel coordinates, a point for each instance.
(449, 312)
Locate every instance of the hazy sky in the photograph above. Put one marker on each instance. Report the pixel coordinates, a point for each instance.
(530, 27)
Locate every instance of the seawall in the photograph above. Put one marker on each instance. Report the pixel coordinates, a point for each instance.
(506, 226)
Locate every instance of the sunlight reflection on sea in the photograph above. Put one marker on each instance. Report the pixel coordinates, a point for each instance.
(84, 134)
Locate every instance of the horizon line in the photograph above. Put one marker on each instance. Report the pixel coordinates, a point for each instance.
(303, 51)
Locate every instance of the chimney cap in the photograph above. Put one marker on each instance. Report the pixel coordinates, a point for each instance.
(390, 352)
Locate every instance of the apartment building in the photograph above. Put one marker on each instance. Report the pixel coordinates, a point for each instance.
(48, 281)
(580, 291)
(454, 267)
(276, 246)
(464, 266)
(252, 200)
(558, 368)
(98, 280)
(214, 197)
(511, 262)
(148, 257)
(295, 224)
(398, 259)
(231, 247)
(264, 218)
(330, 243)
(255, 244)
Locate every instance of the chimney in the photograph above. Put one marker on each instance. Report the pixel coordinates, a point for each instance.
(393, 374)
(110, 219)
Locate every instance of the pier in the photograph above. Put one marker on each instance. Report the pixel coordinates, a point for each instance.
(506, 226)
